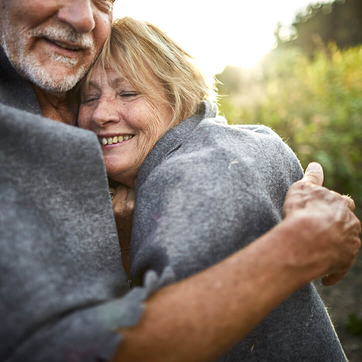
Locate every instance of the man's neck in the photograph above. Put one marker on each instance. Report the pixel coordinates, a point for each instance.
(58, 107)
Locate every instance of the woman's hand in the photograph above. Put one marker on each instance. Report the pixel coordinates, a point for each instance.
(123, 201)
(331, 229)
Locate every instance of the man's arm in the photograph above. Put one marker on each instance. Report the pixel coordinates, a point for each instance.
(201, 317)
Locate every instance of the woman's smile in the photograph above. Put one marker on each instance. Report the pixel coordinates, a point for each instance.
(108, 141)
(127, 123)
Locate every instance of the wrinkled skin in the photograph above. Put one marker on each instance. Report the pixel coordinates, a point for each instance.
(38, 36)
(331, 227)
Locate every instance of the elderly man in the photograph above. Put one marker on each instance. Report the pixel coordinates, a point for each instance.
(64, 294)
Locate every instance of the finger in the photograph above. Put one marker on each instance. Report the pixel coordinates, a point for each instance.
(354, 224)
(121, 192)
(314, 174)
(349, 202)
(328, 281)
(130, 194)
(332, 279)
(112, 192)
(130, 206)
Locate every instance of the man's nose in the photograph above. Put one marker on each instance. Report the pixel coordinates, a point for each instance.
(78, 14)
(106, 113)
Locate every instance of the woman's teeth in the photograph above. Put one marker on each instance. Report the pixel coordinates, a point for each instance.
(115, 139)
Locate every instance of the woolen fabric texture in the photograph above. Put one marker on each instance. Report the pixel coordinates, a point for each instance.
(63, 290)
(205, 191)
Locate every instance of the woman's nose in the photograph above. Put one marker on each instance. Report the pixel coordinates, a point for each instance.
(106, 113)
(78, 14)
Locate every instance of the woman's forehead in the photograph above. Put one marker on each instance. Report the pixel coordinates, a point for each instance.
(101, 77)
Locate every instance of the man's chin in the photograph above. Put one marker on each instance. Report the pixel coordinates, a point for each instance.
(54, 85)
(55, 80)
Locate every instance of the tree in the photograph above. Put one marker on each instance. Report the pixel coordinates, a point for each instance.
(339, 22)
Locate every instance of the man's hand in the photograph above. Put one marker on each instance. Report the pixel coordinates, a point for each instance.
(123, 205)
(123, 201)
(331, 228)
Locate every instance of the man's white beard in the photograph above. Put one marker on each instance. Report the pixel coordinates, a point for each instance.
(51, 83)
(27, 65)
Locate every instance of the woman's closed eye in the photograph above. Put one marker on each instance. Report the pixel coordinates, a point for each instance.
(104, 5)
(89, 98)
(128, 94)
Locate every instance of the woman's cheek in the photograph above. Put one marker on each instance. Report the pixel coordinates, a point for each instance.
(84, 118)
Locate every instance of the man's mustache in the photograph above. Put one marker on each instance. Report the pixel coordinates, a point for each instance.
(56, 32)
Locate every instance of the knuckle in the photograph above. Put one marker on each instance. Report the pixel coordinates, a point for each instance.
(346, 201)
(320, 192)
(350, 202)
(117, 210)
(130, 205)
(358, 243)
(355, 223)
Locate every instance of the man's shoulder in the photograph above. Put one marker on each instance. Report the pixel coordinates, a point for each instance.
(15, 91)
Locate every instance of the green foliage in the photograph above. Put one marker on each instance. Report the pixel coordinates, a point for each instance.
(315, 105)
(339, 21)
(354, 325)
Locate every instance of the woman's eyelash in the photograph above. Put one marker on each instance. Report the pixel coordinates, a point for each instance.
(104, 5)
(128, 94)
(89, 99)
(123, 94)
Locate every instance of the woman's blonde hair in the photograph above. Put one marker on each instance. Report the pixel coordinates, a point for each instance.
(142, 54)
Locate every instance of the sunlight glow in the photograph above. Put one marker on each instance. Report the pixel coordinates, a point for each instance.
(218, 33)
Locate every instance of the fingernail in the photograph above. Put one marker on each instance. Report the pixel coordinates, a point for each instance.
(313, 167)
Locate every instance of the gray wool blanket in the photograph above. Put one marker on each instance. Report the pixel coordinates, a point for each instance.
(63, 290)
(205, 191)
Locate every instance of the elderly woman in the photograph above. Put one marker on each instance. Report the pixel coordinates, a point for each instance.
(203, 189)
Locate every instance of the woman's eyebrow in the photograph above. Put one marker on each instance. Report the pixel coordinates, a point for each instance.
(93, 84)
(114, 83)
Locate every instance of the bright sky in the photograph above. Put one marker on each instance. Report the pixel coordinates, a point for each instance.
(217, 32)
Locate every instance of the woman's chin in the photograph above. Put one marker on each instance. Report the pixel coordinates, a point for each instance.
(115, 165)
(121, 177)
(113, 174)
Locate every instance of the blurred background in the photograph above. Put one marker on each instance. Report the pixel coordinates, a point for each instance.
(295, 66)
